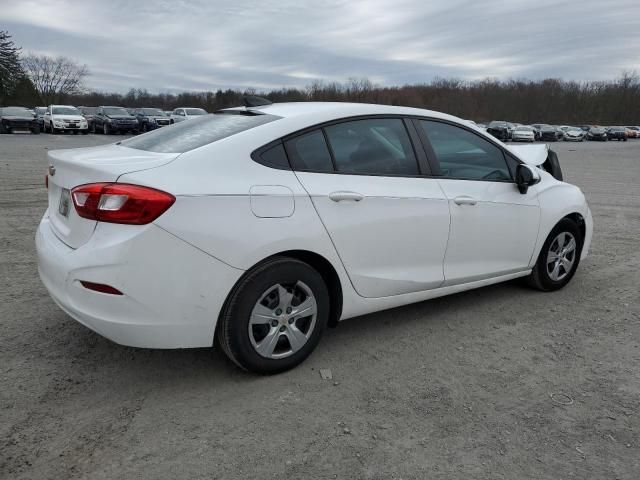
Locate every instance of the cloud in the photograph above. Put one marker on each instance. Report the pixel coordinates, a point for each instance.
(170, 45)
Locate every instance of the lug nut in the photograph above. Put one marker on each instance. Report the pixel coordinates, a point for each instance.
(291, 320)
(288, 309)
(282, 329)
(278, 312)
(274, 323)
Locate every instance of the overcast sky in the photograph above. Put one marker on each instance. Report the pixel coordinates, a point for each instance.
(174, 45)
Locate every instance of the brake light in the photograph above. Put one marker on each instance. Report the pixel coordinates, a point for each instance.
(120, 203)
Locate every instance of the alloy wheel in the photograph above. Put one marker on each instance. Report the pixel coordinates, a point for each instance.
(282, 320)
(561, 256)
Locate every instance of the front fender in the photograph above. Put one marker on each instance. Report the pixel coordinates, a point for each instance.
(557, 201)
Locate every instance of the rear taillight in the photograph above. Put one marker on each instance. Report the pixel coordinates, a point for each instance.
(120, 203)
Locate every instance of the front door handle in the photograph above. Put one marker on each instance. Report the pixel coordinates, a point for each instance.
(465, 200)
(349, 196)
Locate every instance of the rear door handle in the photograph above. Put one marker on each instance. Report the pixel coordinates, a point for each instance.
(349, 196)
(465, 200)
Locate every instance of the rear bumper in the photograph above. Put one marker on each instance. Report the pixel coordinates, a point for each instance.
(172, 292)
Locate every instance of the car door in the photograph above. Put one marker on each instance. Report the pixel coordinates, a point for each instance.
(389, 224)
(493, 226)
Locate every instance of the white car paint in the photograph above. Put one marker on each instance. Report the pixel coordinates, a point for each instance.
(391, 240)
(59, 121)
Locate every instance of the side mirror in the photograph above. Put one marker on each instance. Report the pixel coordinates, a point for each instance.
(526, 176)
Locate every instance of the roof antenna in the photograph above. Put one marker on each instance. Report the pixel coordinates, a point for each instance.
(253, 101)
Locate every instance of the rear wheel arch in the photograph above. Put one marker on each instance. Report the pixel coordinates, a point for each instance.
(315, 261)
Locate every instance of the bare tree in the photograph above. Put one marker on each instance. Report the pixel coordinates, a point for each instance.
(10, 69)
(56, 77)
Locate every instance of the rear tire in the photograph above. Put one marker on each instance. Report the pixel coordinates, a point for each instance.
(559, 257)
(259, 317)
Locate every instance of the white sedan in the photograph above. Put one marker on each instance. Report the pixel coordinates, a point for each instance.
(181, 114)
(259, 226)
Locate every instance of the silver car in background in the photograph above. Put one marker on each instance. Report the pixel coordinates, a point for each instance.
(523, 133)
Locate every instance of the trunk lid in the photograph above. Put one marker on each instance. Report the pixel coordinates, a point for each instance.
(70, 168)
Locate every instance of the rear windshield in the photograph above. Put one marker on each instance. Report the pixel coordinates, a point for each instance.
(195, 111)
(185, 136)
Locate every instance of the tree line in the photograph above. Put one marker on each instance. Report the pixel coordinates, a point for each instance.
(40, 80)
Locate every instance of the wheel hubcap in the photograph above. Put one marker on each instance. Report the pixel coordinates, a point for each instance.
(282, 320)
(561, 256)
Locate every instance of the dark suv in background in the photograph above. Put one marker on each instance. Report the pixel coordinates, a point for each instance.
(617, 133)
(150, 118)
(110, 120)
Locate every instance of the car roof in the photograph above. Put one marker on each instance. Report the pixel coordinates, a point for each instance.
(337, 110)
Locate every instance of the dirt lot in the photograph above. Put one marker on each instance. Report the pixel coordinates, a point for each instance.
(466, 387)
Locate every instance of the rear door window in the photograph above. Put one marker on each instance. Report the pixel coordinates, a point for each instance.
(379, 146)
(309, 152)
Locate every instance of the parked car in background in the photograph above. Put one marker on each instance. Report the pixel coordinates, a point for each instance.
(617, 133)
(131, 111)
(575, 134)
(88, 113)
(523, 133)
(500, 129)
(633, 132)
(109, 120)
(586, 128)
(597, 133)
(181, 114)
(152, 244)
(18, 119)
(64, 118)
(150, 119)
(168, 113)
(39, 112)
(550, 133)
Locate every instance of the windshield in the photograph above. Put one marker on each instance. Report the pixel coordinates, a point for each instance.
(65, 111)
(195, 111)
(498, 124)
(18, 111)
(115, 111)
(547, 127)
(41, 109)
(153, 111)
(88, 110)
(618, 129)
(524, 129)
(574, 129)
(185, 136)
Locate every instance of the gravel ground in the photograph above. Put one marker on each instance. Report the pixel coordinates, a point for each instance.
(468, 386)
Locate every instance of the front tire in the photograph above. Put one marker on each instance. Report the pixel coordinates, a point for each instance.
(559, 257)
(274, 317)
